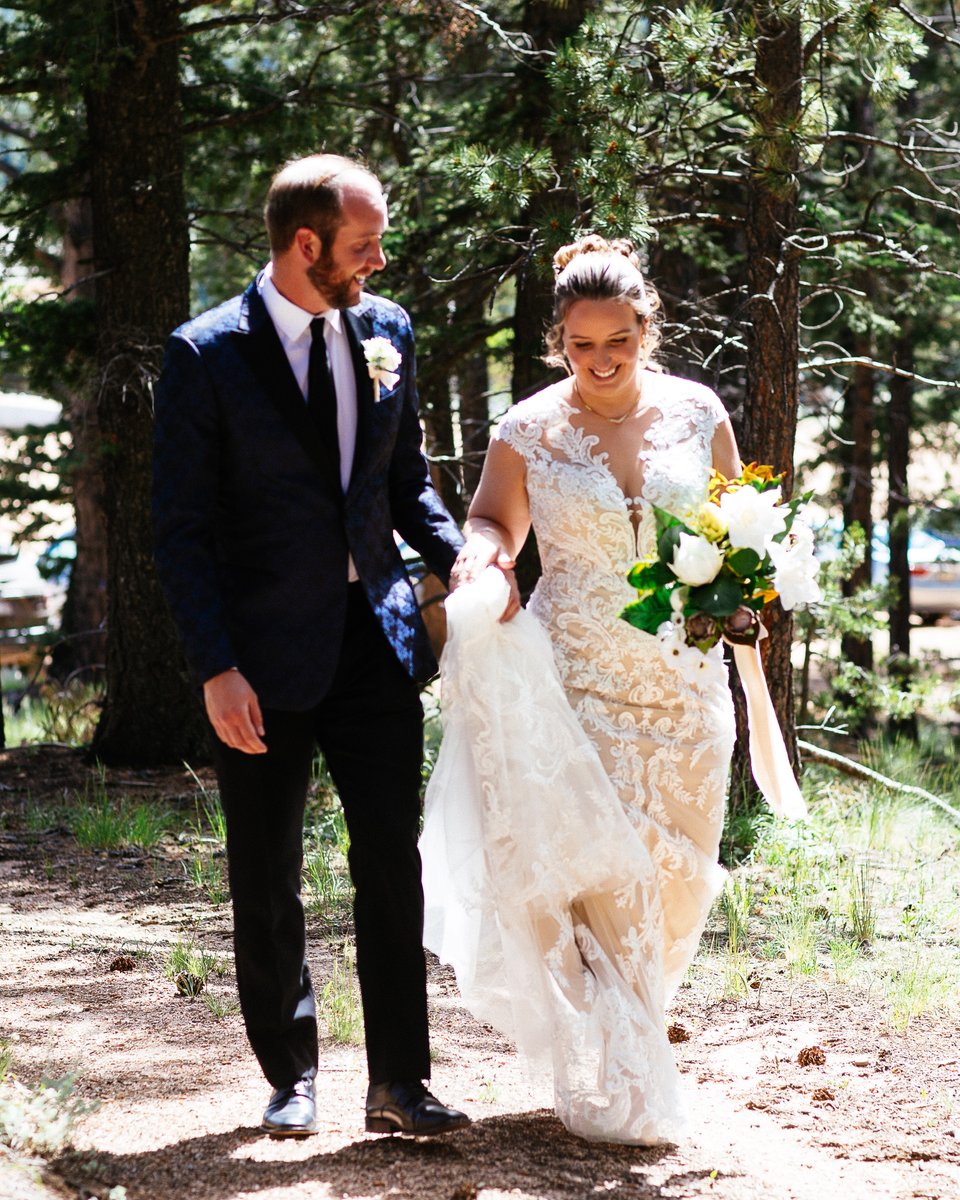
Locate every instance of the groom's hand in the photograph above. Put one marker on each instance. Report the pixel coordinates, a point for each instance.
(234, 712)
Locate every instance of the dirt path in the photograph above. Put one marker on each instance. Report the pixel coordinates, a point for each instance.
(180, 1096)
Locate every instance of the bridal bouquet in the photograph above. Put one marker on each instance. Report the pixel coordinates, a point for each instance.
(715, 569)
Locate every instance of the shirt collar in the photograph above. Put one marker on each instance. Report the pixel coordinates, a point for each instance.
(289, 318)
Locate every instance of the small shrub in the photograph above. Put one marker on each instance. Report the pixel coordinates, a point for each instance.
(107, 825)
(340, 1002)
(210, 820)
(40, 1119)
(100, 823)
(206, 873)
(862, 910)
(69, 712)
(190, 967)
(844, 955)
(328, 886)
(6, 1059)
(922, 986)
(797, 936)
(221, 1007)
(736, 902)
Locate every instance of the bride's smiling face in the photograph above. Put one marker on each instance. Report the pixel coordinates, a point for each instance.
(603, 342)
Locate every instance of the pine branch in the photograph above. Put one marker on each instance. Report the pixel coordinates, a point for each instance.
(295, 12)
(519, 44)
(885, 368)
(849, 766)
(697, 218)
(866, 139)
(897, 190)
(926, 26)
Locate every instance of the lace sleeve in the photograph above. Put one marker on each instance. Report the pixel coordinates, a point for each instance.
(706, 410)
(522, 428)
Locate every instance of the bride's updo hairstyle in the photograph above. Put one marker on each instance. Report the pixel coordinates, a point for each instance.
(593, 268)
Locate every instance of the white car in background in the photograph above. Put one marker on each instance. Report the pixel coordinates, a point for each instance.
(934, 562)
(934, 572)
(25, 608)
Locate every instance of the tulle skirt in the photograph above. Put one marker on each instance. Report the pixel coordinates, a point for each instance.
(568, 910)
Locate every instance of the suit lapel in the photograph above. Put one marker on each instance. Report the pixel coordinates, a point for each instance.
(359, 325)
(266, 358)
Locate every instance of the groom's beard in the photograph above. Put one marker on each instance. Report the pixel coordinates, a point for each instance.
(334, 289)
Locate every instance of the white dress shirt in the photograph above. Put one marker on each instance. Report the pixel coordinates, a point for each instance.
(292, 324)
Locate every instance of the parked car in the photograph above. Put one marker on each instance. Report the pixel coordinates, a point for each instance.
(934, 572)
(56, 559)
(933, 555)
(25, 612)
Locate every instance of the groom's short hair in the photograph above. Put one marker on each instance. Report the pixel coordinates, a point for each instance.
(308, 192)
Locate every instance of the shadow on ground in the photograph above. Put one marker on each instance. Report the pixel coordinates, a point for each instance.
(528, 1154)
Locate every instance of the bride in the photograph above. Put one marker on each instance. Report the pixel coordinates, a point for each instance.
(573, 819)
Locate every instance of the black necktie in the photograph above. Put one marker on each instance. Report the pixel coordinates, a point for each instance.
(321, 396)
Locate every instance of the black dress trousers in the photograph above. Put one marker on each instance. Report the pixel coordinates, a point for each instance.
(370, 729)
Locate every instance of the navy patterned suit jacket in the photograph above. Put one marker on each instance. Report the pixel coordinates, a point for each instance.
(252, 529)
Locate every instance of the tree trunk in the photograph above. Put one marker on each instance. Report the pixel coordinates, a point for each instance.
(858, 419)
(82, 626)
(858, 486)
(473, 384)
(141, 245)
(547, 24)
(899, 420)
(439, 442)
(767, 424)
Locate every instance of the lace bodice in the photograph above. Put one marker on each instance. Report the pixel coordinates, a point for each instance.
(589, 534)
(576, 503)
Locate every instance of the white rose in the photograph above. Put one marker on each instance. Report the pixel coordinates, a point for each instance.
(752, 517)
(696, 560)
(795, 575)
(381, 354)
(383, 358)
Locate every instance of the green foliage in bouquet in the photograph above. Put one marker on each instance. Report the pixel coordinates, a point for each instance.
(714, 571)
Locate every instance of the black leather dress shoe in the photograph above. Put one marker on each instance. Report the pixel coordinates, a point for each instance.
(292, 1111)
(409, 1108)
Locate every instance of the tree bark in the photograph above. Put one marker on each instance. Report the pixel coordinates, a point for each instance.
(141, 247)
(766, 426)
(547, 24)
(858, 485)
(899, 422)
(859, 403)
(473, 385)
(83, 621)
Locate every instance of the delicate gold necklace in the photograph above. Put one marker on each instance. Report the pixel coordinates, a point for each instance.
(603, 416)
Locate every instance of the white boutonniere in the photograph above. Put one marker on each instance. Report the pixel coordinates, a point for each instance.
(383, 358)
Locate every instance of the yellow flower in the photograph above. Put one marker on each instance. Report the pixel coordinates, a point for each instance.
(757, 473)
(718, 485)
(710, 522)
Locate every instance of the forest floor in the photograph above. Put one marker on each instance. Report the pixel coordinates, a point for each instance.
(174, 1097)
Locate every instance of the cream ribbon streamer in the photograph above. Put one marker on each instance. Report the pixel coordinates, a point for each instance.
(768, 755)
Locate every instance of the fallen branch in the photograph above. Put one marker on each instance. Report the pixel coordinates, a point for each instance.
(850, 767)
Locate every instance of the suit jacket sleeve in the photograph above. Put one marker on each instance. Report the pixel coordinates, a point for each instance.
(185, 497)
(419, 515)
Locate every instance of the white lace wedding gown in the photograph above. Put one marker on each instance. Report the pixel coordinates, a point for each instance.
(573, 818)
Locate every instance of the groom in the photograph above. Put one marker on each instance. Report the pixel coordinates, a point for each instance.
(281, 471)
